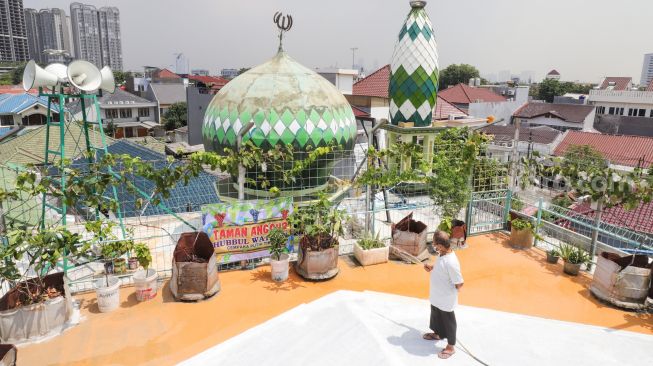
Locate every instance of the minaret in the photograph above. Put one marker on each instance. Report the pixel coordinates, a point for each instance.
(414, 70)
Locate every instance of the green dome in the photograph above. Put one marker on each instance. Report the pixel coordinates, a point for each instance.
(288, 103)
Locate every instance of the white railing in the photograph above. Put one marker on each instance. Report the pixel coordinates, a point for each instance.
(623, 96)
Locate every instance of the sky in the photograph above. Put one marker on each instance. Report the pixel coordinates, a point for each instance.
(583, 39)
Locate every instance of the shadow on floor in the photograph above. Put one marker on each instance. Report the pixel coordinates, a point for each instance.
(263, 274)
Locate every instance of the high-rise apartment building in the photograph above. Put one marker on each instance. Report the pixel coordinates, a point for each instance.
(48, 29)
(647, 70)
(13, 34)
(96, 34)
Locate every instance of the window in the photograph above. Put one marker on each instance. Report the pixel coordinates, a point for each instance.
(6, 120)
(631, 111)
(642, 112)
(611, 110)
(600, 110)
(651, 113)
(111, 113)
(143, 112)
(125, 113)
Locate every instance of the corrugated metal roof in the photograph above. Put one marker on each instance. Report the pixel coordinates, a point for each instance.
(620, 150)
(169, 93)
(17, 103)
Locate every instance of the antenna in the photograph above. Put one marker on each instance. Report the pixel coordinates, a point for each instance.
(284, 23)
(353, 56)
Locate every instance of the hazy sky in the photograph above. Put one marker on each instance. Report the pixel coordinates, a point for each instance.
(583, 39)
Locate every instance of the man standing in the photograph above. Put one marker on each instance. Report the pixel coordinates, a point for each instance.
(446, 281)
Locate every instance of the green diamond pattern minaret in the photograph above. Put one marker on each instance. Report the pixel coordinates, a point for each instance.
(414, 70)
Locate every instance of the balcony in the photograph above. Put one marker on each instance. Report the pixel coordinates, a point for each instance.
(626, 96)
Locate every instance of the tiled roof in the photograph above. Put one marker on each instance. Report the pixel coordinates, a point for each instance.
(650, 86)
(620, 150)
(17, 103)
(465, 94)
(539, 134)
(118, 98)
(444, 109)
(360, 113)
(375, 84)
(553, 72)
(29, 147)
(16, 89)
(616, 83)
(168, 93)
(165, 74)
(639, 219)
(567, 112)
(213, 80)
(183, 198)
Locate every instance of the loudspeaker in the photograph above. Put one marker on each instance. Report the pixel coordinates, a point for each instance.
(108, 82)
(84, 75)
(35, 77)
(60, 70)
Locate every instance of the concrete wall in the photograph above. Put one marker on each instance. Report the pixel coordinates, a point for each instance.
(197, 104)
(497, 109)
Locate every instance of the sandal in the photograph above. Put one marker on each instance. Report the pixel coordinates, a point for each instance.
(445, 354)
(431, 337)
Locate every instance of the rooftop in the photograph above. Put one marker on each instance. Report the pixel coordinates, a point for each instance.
(616, 83)
(375, 84)
(639, 219)
(163, 331)
(18, 103)
(650, 86)
(575, 113)
(539, 134)
(209, 80)
(465, 94)
(553, 72)
(165, 74)
(620, 150)
(168, 93)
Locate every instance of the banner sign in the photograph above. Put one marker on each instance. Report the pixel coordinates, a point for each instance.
(239, 230)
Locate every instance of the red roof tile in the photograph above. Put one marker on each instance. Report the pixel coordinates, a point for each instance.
(444, 109)
(553, 72)
(213, 80)
(639, 219)
(16, 89)
(165, 74)
(650, 86)
(620, 150)
(375, 84)
(616, 83)
(359, 113)
(465, 94)
(567, 112)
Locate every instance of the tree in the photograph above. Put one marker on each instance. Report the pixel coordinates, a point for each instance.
(548, 89)
(456, 74)
(243, 70)
(120, 76)
(583, 158)
(176, 116)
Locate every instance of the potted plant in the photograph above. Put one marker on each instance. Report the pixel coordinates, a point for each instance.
(279, 257)
(573, 257)
(552, 256)
(446, 224)
(371, 250)
(320, 225)
(522, 233)
(145, 280)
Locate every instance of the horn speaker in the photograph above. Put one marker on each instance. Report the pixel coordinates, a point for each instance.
(35, 77)
(108, 82)
(84, 75)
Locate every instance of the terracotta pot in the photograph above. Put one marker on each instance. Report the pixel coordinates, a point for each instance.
(522, 239)
(371, 256)
(317, 265)
(571, 269)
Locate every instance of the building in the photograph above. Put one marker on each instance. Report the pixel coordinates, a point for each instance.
(20, 110)
(559, 116)
(13, 33)
(631, 103)
(623, 152)
(165, 95)
(371, 93)
(462, 95)
(647, 70)
(542, 139)
(616, 83)
(343, 79)
(207, 84)
(229, 73)
(624, 125)
(128, 114)
(48, 29)
(96, 35)
(165, 76)
(200, 72)
(553, 75)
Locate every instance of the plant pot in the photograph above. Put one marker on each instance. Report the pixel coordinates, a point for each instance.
(145, 284)
(119, 266)
(33, 321)
(553, 259)
(191, 280)
(571, 269)
(279, 268)
(622, 281)
(371, 256)
(317, 265)
(8, 354)
(132, 264)
(522, 239)
(108, 267)
(410, 236)
(108, 297)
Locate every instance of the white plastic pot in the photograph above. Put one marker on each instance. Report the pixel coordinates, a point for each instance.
(280, 268)
(145, 284)
(108, 297)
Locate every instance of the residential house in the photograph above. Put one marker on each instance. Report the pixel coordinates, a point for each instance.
(343, 79)
(553, 75)
(623, 152)
(542, 139)
(165, 95)
(371, 93)
(207, 84)
(463, 95)
(616, 83)
(624, 125)
(128, 114)
(632, 103)
(559, 116)
(165, 76)
(22, 110)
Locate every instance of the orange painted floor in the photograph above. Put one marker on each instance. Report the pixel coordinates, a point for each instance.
(163, 332)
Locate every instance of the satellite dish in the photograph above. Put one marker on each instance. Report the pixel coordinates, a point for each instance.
(84, 75)
(58, 69)
(35, 77)
(108, 82)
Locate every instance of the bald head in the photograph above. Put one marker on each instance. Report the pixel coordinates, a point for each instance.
(441, 238)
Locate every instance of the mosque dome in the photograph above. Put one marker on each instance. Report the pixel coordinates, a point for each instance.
(288, 103)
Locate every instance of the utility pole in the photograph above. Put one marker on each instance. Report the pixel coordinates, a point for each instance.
(515, 155)
(353, 56)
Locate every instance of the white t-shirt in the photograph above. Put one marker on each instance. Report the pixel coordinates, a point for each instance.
(444, 276)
